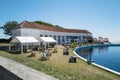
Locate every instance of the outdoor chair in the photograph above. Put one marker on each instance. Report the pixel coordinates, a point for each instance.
(65, 51)
(32, 54)
(55, 50)
(72, 59)
(48, 55)
(45, 55)
(24, 50)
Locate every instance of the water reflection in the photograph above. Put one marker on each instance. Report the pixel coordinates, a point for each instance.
(103, 49)
(88, 52)
(107, 56)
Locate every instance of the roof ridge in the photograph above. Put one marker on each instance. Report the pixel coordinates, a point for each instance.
(30, 23)
(26, 24)
(22, 24)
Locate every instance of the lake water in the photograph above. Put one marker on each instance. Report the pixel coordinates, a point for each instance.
(107, 56)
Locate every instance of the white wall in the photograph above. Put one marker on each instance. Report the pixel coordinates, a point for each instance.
(37, 32)
(62, 33)
(16, 32)
(29, 32)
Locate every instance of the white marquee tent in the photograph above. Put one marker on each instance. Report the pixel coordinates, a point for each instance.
(46, 40)
(31, 40)
(24, 40)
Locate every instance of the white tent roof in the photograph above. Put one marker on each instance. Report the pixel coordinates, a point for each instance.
(46, 39)
(24, 39)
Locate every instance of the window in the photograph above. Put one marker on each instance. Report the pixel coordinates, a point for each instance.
(55, 37)
(83, 38)
(63, 39)
(79, 38)
(41, 35)
(67, 38)
(58, 37)
(50, 35)
(46, 36)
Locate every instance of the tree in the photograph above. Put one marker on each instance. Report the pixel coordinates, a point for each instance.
(47, 24)
(9, 26)
(73, 45)
(90, 39)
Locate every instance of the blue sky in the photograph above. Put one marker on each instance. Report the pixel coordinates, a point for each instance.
(101, 17)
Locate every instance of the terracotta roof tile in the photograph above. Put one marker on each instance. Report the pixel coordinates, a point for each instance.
(27, 24)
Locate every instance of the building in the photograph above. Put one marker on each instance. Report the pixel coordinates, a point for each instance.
(103, 40)
(61, 35)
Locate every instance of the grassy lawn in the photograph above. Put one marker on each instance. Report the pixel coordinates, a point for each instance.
(59, 67)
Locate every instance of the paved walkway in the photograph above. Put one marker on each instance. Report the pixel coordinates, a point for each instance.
(23, 71)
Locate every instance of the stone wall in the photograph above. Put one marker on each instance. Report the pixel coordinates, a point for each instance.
(12, 70)
(6, 75)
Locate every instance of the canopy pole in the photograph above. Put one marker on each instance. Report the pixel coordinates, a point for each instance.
(27, 46)
(45, 46)
(56, 44)
(39, 46)
(21, 48)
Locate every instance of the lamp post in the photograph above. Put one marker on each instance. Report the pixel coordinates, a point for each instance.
(89, 61)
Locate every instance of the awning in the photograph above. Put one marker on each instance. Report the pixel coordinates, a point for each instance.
(46, 39)
(24, 39)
